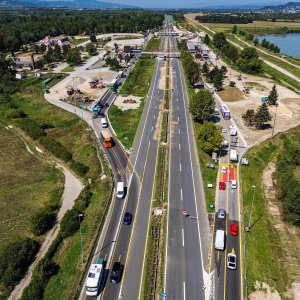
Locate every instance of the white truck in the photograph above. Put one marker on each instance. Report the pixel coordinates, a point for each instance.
(233, 131)
(233, 157)
(220, 240)
(94, 278)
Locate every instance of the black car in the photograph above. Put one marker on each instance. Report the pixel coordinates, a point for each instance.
(116, 272)
(127, 218)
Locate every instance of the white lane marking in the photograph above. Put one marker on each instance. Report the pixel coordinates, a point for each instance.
(178, 119)
(184, 290)
(179, 132)
(182, 237)
(179, 147)
(180, 167)
(154, 117)
(181, 195)
(151, 128)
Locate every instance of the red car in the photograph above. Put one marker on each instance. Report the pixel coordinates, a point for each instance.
(222, 186)
(234, 229)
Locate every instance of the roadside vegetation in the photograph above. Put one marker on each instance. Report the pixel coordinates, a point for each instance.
(125, 123)
(153, 44)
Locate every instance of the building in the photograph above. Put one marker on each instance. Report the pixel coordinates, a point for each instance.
(63, 42)
(191, 47)
(126, 49)
(20, 75)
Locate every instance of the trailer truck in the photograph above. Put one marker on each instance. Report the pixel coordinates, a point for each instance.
(233, 155)
(95, 112)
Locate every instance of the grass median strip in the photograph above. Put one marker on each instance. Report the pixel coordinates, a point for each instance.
(153, 44)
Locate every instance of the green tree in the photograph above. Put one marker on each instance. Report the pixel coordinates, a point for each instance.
(206, 39)
(73, 57)
(219, 40)
(42, 221)
(69, 223)
(65, 49)
(249, 118)
(210, 137)
(91, 49)
(255, 41)
(262, 116)
(43, 48)
(57, 55)
(36, 49)
(202, 105)
(205, 68)
(273, 96)
(93, 38)
(218, 80)
(234, 29)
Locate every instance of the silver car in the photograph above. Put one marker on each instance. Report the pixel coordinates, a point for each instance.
(231, 261)
(222, 214)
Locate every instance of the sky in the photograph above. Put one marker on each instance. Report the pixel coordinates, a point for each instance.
(193, 3)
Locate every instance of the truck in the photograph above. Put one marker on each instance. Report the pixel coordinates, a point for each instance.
(95, 112)
(220, 240)
(113, 85)
(107, 139)
(233, 131)
(120, 74)
(233, 155)
(94, 278)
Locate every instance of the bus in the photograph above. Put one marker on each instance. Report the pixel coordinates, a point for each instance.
(94, 278)
(107, 139)
(225, 112)
(113, 85)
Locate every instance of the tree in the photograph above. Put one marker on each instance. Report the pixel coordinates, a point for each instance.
(219, 40)
(230, 51)
(91, 49)
(43, 48)
(65, 49)
(231, 83)
(42, 221)
(218, 80)
(36, 49)
(202, 105)
(255, 41)
(57, 53)
(69, 223)
(249, 118)
(205, 68)
(93, 38)
(262, 116)
(206, 39)
(234, 29)
(73, 56)
(210, 137)
(273, 96)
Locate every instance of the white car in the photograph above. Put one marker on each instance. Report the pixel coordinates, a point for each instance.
(224, 169)
(233, 184)
(231, 261)
(224, 130)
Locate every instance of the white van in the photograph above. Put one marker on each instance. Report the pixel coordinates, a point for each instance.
(120, 190)
(104, 123)
(220, 240)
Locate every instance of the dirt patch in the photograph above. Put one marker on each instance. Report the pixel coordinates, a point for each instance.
(289, 237)
(264, 292)
(162, 80)
(231, 94)
(128, 102)
(158, 126)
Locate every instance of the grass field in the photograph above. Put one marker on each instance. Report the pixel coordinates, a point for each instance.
(27, 183)
(68, 69)
(127, 37)
(68, 257)
(153, 44)
(76, 42)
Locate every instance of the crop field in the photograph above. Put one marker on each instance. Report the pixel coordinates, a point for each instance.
(27, 182)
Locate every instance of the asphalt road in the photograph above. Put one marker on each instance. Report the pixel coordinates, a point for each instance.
(188, 236)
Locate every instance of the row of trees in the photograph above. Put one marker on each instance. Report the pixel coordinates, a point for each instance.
(268, 45)
(19, 29)
(191, 68)
(225, 18)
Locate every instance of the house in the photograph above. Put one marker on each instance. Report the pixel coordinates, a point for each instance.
(63, 42)
(20, 75)
(126, 49)
(198, 56)
(199, 85)
(124, 56)
(191, 47)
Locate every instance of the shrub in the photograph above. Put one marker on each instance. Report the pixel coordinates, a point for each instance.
(69, 223)
(83, 200)
(42, 221)
(232, 84)
(56, 148)
(32, 128)
(15, 113)
(14, 261)
(79, 168)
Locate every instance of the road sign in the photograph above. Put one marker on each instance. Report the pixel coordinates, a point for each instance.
(164, 295)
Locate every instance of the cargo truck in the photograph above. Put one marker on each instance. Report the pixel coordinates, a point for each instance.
(233, 155)
(120, 74)
(113, 85)
(94, 278)
(95, 112)
(107, 139)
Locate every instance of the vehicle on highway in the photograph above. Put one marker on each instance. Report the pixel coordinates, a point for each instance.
(224, 130)
(222, 186)
(107, 139)
(234, 229)
(225, 143)
(116, 272)
(104, 123)
(221, 214)
(224, 169)
(216, 111)
(233, 131)
(231, 260)
(220, 240)
(127, 218)
(233, 156)
(113, 85)
(225, 112)
(120, 190)
(233, 184)
(94, 278)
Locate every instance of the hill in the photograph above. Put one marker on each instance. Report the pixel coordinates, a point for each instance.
(287, 6)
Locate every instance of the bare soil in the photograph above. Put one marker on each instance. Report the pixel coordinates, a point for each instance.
(128, 102)
(231, 94)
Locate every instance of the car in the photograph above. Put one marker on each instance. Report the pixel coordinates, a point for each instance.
(222, 186)
(224, 130)
(222, 214)
(116, 272)
(127, 218)
(224, 169)
(233, 184)
(231, 261)
(234, 229)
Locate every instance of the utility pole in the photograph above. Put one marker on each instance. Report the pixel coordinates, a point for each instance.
(82, 256)
(276, 104)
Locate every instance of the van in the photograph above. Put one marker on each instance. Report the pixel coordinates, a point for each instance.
(120, 190)
(220, 240)
(104, 123)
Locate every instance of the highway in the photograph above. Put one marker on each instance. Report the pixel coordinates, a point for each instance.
(188, 237)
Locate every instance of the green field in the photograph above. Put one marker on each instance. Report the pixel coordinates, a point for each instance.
(68, 69)
(76, 42)
(27, 183)
(153, 44)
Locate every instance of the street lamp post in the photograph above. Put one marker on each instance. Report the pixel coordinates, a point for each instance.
(82, 256)
(276, 104)
(251, 210)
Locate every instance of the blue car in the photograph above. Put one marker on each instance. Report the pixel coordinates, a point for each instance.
(127, 218)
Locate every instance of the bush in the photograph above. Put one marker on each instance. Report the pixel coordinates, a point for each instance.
(56, 148)
(69, 223)
(15, 113)
(83, 200)
(42, 221)
(79, 168)
(232, 84)
(32, 128)
(54, 246)
(14, 261)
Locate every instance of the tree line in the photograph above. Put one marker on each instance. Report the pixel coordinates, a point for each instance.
(21, 27)
(225, 18)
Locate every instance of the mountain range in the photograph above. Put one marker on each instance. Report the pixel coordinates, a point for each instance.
(283, 6)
